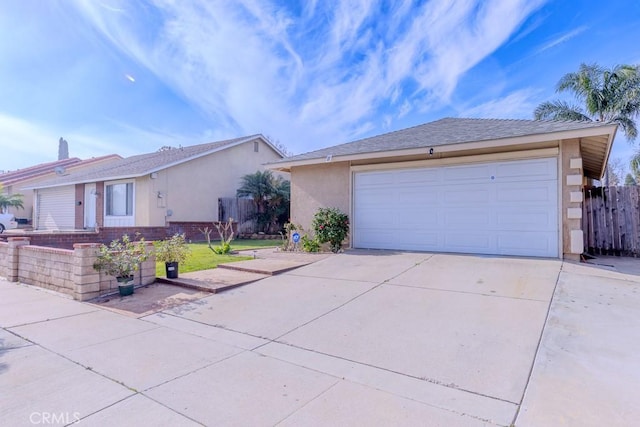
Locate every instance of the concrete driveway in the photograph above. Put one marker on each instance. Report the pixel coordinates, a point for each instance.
(361, 338)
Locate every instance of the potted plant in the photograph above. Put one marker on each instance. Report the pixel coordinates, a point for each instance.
(172, 252)
(120, 259)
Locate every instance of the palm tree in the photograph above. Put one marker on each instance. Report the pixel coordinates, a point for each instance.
(608, 95)
(10, 200)
(270, 196)
(258, 186)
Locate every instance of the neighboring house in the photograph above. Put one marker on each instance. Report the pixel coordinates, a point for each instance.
(507, 187)
(16, 182)
(150, 190)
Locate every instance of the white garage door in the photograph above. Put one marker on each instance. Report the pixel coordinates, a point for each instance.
(505, 208)
(56, 208)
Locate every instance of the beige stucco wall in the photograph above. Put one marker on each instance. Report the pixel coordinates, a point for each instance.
(191, 190)
(318, 186)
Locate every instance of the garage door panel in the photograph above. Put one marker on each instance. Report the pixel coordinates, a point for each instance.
(525, 170)
(458, 174)
(468, 242)
(376, 222)
(461, 209)
(528, 221)
(374, 180)
(467, 218)
(418, 220)
(415, 240)
(527, 192)
(420, 177)
(526, 243)
(467, 194)
(375, 239)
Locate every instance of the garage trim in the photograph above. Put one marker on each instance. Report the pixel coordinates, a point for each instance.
(478, 158)
(551, 227)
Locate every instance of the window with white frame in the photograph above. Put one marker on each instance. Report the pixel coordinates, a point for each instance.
(119, 199)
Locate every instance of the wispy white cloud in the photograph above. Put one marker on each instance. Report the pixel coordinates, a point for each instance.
(562, 38)
(310, 77)
(519, 104)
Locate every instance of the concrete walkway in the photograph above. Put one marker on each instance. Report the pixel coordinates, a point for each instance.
(361, 338)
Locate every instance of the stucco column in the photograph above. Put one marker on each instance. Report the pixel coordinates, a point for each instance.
(572, 177)
(13, 256)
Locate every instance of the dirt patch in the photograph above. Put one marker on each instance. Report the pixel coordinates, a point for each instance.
(150, 299)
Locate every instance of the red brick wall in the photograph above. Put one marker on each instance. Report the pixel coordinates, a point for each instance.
(105, 235)
(192, 230)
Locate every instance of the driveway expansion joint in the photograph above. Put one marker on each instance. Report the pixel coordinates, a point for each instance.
(466, 292)
(425, 379)
(535, 355)
(51, 319)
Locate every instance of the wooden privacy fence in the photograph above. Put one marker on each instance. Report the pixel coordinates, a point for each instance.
(611, 220)
(242, 211)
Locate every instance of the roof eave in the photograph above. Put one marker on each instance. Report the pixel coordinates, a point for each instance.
(162, 167)
(612, 136)
(286, 166)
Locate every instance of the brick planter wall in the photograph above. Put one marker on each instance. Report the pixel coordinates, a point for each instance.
(4, 259)
(63, 270)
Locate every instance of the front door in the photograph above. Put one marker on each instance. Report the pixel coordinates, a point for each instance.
(90, 201)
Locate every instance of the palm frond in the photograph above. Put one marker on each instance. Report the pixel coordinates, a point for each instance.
(559, 110)
(628, 126)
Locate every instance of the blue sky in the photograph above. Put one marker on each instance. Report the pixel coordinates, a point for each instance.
(128, 77)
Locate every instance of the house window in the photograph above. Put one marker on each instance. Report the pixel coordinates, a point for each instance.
(119, 199)
(256, 146)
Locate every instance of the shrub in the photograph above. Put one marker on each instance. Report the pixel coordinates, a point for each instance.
(122, 257)
(174, 249)
(331, 225)
(226, 233)
(309, 244)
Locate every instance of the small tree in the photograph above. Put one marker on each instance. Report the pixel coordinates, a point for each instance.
(331, 225)
(226, 233)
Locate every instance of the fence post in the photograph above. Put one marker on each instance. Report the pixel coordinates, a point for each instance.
(13, 257)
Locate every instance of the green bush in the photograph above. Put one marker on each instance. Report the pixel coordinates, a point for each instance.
(174, 249)
(122, 257)
(223, 248)
(309, 244)
(331, 225)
